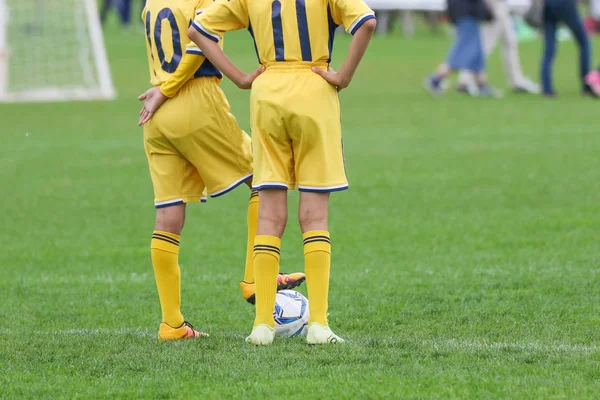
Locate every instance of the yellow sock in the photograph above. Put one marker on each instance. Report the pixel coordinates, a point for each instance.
(165, 260)
(266, 269)
(317, 262)
(252, 225)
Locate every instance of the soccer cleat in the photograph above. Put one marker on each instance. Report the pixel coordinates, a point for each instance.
(319, 334)
(284, 281)
(589, 91)
(185, 331)
(549, 94)
(593, 82)
(487, 91)
(468, 88)
(434, 85)
(526, 86)
(261, 335)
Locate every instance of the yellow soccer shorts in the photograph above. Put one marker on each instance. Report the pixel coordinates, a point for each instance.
(194, 145)
(296, 131)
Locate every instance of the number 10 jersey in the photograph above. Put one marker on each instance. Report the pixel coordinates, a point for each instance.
(166, 24)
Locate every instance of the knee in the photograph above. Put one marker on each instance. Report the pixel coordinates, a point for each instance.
(274, 219)
(511, 42)
(312, 219)
(170, 219)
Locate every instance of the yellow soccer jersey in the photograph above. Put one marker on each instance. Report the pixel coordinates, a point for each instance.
(285, 30)
(167, 23)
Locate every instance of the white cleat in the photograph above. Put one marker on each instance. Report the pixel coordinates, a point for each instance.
(261, 335)
(527, 86)
(319, 334)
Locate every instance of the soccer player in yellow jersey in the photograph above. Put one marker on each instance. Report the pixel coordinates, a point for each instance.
(194, 145)
(296, 132)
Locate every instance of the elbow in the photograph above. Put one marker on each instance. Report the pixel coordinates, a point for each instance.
(370, 25)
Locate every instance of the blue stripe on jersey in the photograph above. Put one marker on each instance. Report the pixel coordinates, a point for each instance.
(362, 21)
(200, 29)
(277, 30)
(207, 69)
(194, 51)
(254, 40)
(332, 27)
(303, 30)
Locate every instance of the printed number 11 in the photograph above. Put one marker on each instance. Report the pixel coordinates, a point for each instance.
(302, 30)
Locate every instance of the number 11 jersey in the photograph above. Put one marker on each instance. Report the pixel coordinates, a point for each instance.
(285, 30)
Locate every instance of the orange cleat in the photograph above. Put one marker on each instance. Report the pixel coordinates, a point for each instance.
(185, 331)
(284, 281)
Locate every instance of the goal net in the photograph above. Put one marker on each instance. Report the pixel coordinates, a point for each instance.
(52, 50)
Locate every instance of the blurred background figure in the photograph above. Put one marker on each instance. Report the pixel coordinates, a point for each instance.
(502, 27)
(122, 6)
(592, 22)
(556, 11)
(467, 51)
(386, 20)
(593, 81)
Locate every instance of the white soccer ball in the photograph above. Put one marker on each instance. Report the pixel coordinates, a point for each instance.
(291, 314)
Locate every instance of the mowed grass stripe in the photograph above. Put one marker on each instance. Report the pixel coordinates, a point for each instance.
(470, 344)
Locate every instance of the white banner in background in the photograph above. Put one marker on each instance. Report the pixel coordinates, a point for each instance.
(432, 5)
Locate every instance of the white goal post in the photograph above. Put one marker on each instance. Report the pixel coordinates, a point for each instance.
(52, 50)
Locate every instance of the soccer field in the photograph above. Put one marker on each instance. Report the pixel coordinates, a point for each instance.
(466, 258)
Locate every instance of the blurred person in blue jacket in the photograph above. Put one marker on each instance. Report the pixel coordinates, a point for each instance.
(467, 51)
(501, 28)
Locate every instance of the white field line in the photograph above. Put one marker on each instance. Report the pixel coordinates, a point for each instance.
(89, 332)
(439, 344)
(470, 344)
(86, 279)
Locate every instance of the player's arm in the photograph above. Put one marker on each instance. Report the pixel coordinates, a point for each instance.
(219, 59)
(191, 61)
(155, 97)
(359, 21)
(208, 29)
(358, 47)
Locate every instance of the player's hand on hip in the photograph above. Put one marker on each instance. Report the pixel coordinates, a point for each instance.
(337, 79)
(247, 79)
(153, 99)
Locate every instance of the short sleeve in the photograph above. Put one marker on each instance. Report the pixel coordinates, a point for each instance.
(222, 16)
(350, 13)
(191, 47)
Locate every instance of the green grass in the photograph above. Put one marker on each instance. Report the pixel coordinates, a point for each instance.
(466, 258)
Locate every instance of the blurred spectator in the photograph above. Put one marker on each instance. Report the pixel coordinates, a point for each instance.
(595, 11)
(593, 80)
(467, 51)
(122, 6)
(502, 27)
(556, 11)
(386, 19)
